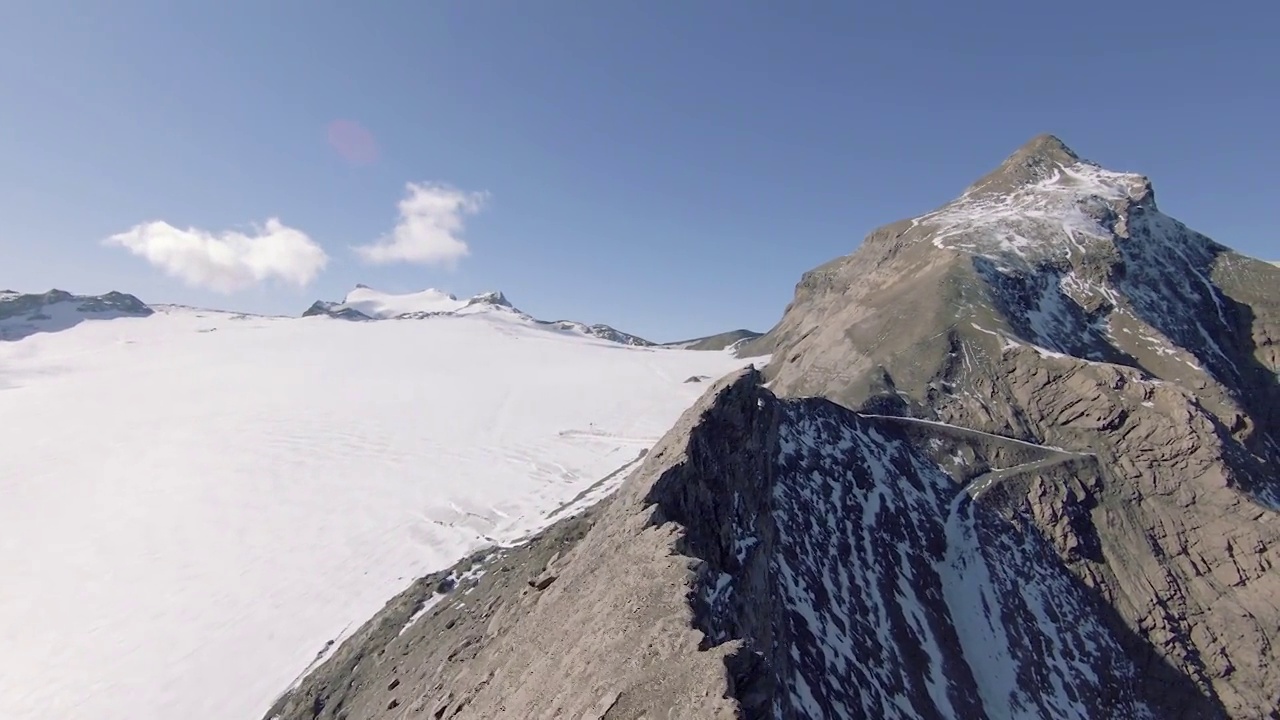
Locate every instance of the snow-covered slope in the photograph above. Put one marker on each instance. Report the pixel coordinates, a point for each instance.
(194, 503)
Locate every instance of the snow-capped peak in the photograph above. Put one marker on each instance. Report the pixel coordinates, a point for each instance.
(1043, 202)
(493, 297)
(366, 303)
(377, 304)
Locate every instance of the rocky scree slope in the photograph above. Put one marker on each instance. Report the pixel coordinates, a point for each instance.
(1066, 309)
(770, 558)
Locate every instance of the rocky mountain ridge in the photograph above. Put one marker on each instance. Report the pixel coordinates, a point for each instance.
(23, 314)
(1017, 458)
(720, 341)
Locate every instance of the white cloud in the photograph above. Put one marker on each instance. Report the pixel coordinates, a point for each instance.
(228, 261)
(430, 227)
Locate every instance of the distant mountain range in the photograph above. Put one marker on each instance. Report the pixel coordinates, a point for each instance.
(365, 303)
(22, 314)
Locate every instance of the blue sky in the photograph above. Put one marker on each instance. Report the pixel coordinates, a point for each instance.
(667, 167)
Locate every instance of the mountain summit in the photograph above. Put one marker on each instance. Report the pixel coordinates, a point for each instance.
(1013, 458)
(1030, 163)
(1047, 146)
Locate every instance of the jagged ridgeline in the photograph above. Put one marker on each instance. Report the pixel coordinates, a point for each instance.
(1017, 458)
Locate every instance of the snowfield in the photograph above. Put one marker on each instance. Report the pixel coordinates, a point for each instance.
(193, 503)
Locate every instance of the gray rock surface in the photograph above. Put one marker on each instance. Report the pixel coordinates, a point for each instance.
(1044, 487)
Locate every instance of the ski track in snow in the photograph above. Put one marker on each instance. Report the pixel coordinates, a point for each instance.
(193, 503)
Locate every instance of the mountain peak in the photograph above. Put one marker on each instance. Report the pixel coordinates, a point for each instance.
(493, 297)
(1045, 147)
(1035, 162)
(1044, 201)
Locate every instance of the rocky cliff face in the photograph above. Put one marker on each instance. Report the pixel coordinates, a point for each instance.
(1017, 459)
